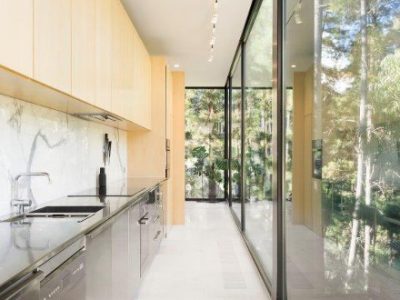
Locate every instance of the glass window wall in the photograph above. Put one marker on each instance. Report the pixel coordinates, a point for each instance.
(341, 200)
(343, 222)
(258, 136)
(205, 162)
(236, 134)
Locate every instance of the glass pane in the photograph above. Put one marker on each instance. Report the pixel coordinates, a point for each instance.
(236, 138)
(258, 136)
(343, 219)
(204, 143)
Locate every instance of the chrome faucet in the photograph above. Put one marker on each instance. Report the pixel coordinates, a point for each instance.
(22, 203)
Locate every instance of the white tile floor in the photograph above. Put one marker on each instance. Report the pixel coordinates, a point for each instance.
(205, 259)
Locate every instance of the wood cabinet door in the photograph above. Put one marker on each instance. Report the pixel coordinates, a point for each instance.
(103, 54)
(84, 49)
(52, 43)
(142, 81)
(122, 61)
(16, 35)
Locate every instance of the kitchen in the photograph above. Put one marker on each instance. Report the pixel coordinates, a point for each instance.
(80, 92)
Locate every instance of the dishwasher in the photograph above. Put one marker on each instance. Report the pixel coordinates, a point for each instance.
(65, 274)
(27, 288)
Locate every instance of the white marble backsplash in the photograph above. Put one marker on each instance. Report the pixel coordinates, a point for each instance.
(35, 139)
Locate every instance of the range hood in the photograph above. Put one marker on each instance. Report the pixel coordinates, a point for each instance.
(102, 117)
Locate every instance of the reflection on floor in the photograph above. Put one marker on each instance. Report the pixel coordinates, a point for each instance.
(259, 231)
(205, 259)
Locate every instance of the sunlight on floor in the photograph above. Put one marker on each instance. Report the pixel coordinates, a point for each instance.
(204, 259)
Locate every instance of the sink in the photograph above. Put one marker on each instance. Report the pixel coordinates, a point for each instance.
(67, 210)
(80, 212)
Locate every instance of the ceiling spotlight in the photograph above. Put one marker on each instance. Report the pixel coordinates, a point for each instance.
(176, 66)
(216, 4)
(214, 19)
(212, 41)
(293, 66)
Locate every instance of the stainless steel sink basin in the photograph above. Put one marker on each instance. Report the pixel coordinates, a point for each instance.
(67, 209)
(80, 212)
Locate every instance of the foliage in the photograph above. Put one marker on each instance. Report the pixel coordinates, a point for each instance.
(205, 163)
(342, 89)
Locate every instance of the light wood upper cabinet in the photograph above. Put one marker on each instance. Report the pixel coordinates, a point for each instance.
(85, 48)
(142, 80)
(103, 53)
(52, 43)
(116, 58)
(16, 35)
(83, 67)
(122, 62)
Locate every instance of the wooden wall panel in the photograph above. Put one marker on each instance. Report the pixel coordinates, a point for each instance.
(147, 149)
(178, 145)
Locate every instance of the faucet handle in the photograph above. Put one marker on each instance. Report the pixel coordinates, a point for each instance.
(21, 204)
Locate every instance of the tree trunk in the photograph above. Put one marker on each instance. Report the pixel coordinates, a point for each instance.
(368, 200)
(361, 136)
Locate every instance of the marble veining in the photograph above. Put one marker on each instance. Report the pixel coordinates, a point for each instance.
(35, 139)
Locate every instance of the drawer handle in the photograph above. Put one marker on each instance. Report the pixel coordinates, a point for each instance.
(157, 235)
(143, 221)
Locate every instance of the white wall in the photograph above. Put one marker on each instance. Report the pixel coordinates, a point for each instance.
(34, 139)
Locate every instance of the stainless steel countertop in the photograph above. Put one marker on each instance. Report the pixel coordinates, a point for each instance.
(26, 244)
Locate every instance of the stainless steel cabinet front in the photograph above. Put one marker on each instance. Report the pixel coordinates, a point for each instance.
(99, 264)
(121, 284)
(134, 250)
(26, 289)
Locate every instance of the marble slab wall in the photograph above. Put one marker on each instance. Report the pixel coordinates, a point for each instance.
(37, 139)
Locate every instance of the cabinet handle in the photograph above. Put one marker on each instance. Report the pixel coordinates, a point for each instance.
(143, 220)
(157, 235)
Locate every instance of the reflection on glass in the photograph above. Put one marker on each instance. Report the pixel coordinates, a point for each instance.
(204, 143)
(343, 220)
(258, 136)
(236, 138)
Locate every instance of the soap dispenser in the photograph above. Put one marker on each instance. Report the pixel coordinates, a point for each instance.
(102, 182)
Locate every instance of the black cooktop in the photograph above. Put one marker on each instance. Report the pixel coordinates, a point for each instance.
(125, 188)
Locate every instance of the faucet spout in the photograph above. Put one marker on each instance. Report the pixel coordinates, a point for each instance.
(33, 174)
(22, 203)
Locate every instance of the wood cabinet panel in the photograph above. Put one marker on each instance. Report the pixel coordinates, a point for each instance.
(142, 81)
(16, 34)
(84, 49)
(120, 44)
(103, 53)
(52, 43)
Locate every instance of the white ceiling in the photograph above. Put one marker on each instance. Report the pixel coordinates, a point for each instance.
(181, 30)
